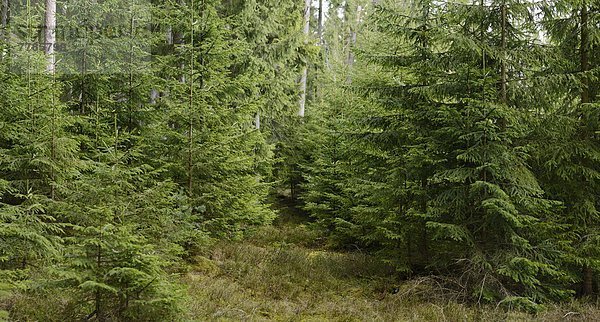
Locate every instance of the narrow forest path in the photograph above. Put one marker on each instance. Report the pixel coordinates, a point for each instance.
(284, 273)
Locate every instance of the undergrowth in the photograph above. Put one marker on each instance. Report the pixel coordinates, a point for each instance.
(285, 273)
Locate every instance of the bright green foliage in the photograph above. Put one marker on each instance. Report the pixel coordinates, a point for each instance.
(140, 146)
(278, 53)
(457, 139)
(271, 64)
(26, 169)
(437, 175)
(114, 255)
(36, 155)
(272, 43)
(211, 145)
(326, 192)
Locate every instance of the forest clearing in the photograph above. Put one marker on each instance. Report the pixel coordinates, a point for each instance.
(284, 273)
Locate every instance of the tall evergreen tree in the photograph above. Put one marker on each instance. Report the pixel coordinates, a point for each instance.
(36, 151)
(215, 148)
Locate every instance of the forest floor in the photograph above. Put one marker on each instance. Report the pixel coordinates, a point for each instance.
(284, 273)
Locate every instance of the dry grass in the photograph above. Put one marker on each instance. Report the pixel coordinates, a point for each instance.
(280, 275)
(284, 273)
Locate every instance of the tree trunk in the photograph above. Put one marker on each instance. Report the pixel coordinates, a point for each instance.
(424, 238)
(588, 281)
(98, 300)
(304, 77)
(50, 41)
(50, 35)
(320, 24)
(257, 120)
(584, 54)
(303, 81)
(588, 274)
(154, 94)
(191, 107)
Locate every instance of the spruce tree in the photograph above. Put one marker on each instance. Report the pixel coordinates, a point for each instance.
(217, 155)
(37, 153)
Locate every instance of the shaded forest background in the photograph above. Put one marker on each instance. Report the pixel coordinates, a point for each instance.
(453, 140)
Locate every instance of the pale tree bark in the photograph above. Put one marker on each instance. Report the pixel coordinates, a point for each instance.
(154, 94)
(318, 91)
(352, 43)
(257, 120)
(50, 35)
(49, 44)
(169, 36)
(304, 76)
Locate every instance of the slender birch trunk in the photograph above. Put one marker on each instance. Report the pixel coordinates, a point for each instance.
(50, 35)
(50, 42)
(257, 120)
(304, 77)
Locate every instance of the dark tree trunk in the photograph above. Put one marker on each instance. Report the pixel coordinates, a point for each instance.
(320, 24)
(98, 301)
(588, 281)
(584, 53)
(588, 275)
(424, 238)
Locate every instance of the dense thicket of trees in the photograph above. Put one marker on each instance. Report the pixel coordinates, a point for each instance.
(450, 138)
(463, 142)
(130, 137)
